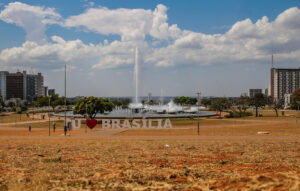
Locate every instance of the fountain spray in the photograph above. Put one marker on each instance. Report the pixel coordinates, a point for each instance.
(136, 75)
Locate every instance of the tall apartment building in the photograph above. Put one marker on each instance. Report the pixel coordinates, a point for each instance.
(31, 87)
(21, 85)
(15, 86)
(283, 81)
(40, 85)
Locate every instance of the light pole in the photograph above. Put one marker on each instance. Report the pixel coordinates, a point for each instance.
(65, 121)
(86, 117)
(49, 114)
(198, 103)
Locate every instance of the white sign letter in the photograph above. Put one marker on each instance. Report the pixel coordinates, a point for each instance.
(115, 123)
(150, 124)
(144, 123)
(168, 123)
(126, 124)
(159, 121)
(105, 123)
(136, 124)
(74, 124)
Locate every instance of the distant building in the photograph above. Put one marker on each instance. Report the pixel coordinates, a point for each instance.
(40, 85)
(252, 92)
(51, 91)
(31, 87)
(45, 91)
(284, 81)
(21, 86)
(3, 75)
(266, 92)
(15, 86)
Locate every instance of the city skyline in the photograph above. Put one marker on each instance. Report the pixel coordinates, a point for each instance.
(220, 49)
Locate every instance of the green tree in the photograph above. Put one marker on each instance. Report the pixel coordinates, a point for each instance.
(125, 102)
(59, 101)
(152, 102)
(2, 104)
(206, 102)
(185, 100)
(55, 100)
(242, 104)
(276, 104)
(258, 101)
(41, 101)
(23, 107)
(296, 99)
(220, 104)
(11, 105)
(92, 105)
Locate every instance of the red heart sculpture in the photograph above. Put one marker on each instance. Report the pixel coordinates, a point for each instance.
(91, 123)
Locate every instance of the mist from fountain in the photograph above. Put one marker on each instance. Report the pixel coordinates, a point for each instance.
(171, 107)
(137, 74)
(136, 79)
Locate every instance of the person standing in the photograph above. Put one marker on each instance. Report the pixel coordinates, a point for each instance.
(69, 126)
(54, 126)
(29, 127)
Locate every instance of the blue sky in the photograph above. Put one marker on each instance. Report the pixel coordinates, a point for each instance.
(186, 46)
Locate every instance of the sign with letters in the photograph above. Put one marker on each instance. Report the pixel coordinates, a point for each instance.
(126, 124)
(136, 124)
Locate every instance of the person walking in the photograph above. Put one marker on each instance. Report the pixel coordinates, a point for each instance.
(54, 126)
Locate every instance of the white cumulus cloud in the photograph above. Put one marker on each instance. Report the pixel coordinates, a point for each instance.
(130, 24)
(33, 19)
(246, 41)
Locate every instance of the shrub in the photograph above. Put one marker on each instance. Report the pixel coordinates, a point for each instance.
(237, 114)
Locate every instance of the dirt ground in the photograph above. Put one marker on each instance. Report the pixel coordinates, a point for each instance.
(228, 155)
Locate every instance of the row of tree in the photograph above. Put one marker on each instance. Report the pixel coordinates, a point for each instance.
(185, 100)
(17, 106)
(121, 102)
(55, 100)
(242, 103)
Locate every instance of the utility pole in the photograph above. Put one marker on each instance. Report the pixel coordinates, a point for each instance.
(198, 104)
(86, 117)
(49, 114)
(65, 122)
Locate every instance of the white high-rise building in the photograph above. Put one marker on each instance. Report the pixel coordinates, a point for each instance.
(284, 81)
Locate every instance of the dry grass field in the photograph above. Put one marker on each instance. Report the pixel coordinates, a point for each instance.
(228, 155)
(13, 118)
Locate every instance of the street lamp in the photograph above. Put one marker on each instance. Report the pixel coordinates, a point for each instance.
(49, 114)
(198, 103)
(86, 117)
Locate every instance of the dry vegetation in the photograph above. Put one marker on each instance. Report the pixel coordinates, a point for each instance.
(12, 118)
(149, 164)
(229, 155)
